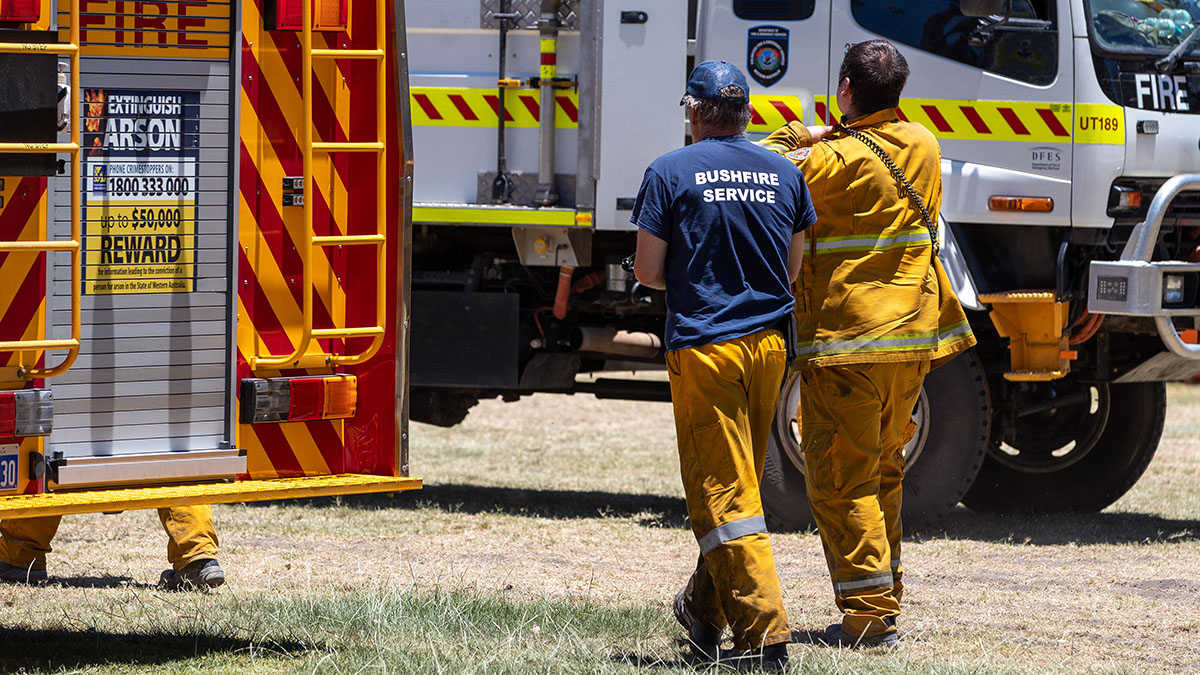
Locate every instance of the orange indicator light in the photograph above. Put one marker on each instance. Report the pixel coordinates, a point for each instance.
(1037, 204)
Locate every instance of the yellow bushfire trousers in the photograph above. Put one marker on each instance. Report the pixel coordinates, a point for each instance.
(855, 421)
(724, 396)
(24, 542)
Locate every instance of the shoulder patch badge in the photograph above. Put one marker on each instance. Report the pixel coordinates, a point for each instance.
(799, 155)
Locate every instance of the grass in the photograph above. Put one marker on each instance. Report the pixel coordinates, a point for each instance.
(337, 630)
(551, 536)
(364, 630)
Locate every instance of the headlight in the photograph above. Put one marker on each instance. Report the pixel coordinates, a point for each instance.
(1173, 289)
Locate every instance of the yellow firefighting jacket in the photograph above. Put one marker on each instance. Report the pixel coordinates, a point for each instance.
(870, 288)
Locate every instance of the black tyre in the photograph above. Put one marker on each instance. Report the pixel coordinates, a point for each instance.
(1081, 456)
(439, 407)
(952, 416)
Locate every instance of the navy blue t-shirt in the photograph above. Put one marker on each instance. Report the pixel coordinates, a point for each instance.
(727, 210)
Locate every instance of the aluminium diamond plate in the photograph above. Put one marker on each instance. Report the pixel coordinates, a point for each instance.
(568, 14)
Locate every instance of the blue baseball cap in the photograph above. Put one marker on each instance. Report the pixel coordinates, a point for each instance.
(710, 77)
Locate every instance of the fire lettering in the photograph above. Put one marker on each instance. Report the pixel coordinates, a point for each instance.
(1161, 92)
(186, 23)
(149, 23)
(147, 19)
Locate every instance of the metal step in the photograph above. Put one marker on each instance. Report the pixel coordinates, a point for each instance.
(127, 499)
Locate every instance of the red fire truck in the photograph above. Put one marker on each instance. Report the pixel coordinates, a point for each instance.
(203, 258)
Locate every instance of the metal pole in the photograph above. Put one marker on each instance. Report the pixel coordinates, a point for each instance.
(502, 186)
(546, 195)
(404, 240)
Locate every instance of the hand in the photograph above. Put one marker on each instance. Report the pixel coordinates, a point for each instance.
(628, 262)
(819, 133)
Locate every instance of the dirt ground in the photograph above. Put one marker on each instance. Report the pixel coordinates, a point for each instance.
(559, 496)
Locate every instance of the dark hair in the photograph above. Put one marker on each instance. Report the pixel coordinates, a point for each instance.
(877, 72)
(723, 115)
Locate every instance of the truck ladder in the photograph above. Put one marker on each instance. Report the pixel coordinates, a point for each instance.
(71, 245)
(299, 358)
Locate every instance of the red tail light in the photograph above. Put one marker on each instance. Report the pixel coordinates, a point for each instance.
(26, 412)
(306, 399)
(8, 416)
(327, 15)
(330, 14)
(299, 399)
(24, 11)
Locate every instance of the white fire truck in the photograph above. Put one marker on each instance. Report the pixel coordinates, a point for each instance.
(1071, 217)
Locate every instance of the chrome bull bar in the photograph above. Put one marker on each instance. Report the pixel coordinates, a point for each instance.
(1135, 286)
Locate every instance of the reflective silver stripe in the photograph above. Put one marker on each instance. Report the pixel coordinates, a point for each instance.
(886, 343)
(733, 530)
(879, 580)
(882, 344)
(954, 332)
(870, 243)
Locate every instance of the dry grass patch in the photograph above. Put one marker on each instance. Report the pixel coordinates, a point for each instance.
(566, 513)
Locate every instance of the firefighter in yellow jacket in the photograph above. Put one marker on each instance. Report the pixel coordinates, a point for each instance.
(191, 548)
(874, 310)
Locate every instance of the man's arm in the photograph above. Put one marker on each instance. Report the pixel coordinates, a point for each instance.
(793, 136)
(795, 256)
(818, 133)
(650, 265)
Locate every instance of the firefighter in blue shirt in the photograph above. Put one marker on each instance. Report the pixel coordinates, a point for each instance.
(720, 228)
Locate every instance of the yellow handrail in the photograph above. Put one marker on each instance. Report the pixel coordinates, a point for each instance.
(44, 48)
(72, 246)
(38, 147)
(38, 345)
(348, 239)
(349, 53)
(360, 331)
(39, 245)
(348, 147)
(308, 240)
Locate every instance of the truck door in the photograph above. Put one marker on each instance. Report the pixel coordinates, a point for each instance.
(782, 45)
(643, 72)
(998, 97)
(149, 397)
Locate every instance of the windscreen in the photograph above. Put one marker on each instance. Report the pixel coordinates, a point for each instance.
(1145, 25)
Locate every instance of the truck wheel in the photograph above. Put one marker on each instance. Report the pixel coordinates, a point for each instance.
(952, 416)
(439, 407)
(1075, 457)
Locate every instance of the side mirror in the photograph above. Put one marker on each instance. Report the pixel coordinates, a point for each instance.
(981, 8)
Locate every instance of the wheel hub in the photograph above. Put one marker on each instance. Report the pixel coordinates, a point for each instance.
(1057, 424)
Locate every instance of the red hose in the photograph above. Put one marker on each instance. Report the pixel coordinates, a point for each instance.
(587, 282)
(1089, 329)
(562, 298)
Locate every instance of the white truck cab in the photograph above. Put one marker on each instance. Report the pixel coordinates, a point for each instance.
(1070, 218)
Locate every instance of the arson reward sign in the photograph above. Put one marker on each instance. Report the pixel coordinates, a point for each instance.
(139, 189)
